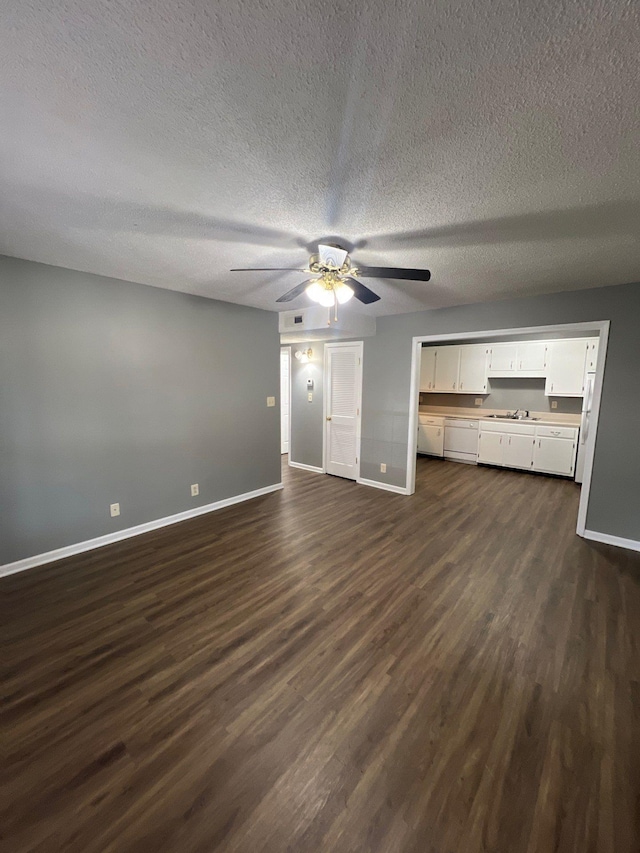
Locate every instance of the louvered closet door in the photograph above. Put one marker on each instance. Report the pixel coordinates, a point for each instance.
(343, 385)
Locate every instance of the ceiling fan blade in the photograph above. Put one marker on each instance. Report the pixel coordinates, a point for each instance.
(269, 269)
(394, 272)
(295, 291)
(361, 292)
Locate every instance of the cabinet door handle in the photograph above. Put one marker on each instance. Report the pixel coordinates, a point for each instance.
(509, 439)
(500, 439)
(539, 442)
(454, 386)
(520, 365)
(461, 387)
(552, 386)
(328, 417)
(511, 365)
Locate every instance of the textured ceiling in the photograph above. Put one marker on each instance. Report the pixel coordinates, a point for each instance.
(496, 142)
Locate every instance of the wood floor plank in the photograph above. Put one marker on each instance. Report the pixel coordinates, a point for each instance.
(331, 668)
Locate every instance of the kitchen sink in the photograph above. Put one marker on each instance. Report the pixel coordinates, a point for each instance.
(512, 417)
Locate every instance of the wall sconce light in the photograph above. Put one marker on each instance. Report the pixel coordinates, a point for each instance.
(304, 356)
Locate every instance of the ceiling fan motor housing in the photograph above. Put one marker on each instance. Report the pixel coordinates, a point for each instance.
(332, 256)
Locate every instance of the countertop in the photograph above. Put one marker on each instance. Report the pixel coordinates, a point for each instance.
(542, 418)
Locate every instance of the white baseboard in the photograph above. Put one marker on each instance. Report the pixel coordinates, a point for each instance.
(607, 539)
(387, 487)
(127, 533)
(306, 467)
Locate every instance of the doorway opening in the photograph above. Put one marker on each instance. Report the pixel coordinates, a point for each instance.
(285, 399)
(590, 395)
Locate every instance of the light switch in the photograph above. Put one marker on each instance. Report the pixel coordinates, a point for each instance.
(271, 401)
(554, 404)
(114, 510)
(195, 490)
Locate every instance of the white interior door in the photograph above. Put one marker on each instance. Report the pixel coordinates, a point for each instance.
(284, 399)
(343, 392)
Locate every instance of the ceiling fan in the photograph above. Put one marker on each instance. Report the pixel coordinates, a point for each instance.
(335, 279)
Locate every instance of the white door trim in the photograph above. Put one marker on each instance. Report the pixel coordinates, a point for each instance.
(602, 326)
(325, 398)
(287, 350)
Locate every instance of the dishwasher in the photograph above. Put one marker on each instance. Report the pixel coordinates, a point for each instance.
(461, 440)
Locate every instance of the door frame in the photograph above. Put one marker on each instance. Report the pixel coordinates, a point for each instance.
(325, 401)
(287, 350)
(601, 326)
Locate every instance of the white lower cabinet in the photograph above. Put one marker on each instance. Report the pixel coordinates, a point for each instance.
(431, 436)
(547, 449)
(490, 449)
(555, 453)
(518, 451)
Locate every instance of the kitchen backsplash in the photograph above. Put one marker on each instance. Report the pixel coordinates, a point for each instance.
(508, 394)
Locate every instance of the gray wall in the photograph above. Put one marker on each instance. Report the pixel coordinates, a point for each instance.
(307, 422)
(508, 394)
(614, 502)
(112, 391)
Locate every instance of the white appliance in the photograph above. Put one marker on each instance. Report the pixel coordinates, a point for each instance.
(585, 424)
(431, 435)
(461, 440)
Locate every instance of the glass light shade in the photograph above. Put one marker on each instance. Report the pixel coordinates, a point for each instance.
(328, 299)
(315, 291)
(343, 293)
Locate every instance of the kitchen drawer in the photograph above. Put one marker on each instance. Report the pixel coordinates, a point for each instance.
(508, 426)
(430, 420)
(556, 432)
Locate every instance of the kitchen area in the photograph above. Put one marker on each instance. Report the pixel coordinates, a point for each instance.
(520, 404)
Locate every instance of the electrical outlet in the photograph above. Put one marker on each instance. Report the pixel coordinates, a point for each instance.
(271, 401)
(310, 397)
(114, 510)
(195, 490)
(383, 467)
(554, 404)
(478, 401)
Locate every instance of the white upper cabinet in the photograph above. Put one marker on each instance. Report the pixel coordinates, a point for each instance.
(503, 358)
(447, 367)
(427, 368)
(592, 355)
(465, 369)
(472, 376)
(566, 368)
(526, 358)
(532, 356)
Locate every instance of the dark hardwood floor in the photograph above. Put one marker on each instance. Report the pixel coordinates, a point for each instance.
(331, 668)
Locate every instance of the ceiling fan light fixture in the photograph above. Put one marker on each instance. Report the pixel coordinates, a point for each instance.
(315, 291)
(327, 298)
(343, 292)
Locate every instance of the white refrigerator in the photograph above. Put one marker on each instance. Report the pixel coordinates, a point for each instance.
(585, 424)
